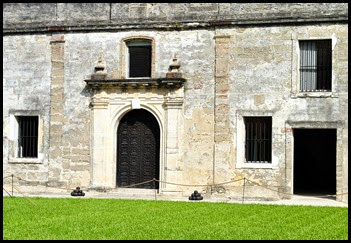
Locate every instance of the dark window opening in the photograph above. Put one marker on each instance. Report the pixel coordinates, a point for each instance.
(27, 136)
(316, 65)
(258, 139)
(139, 59)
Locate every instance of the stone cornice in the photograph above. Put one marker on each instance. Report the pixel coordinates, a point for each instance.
(152, 82)
(23, 18)
(29, 29)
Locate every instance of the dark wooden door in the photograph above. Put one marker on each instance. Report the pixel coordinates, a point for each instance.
(138, 146)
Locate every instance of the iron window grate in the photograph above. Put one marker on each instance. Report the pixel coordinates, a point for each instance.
(258, 139)
(27, 136)
(315, 65)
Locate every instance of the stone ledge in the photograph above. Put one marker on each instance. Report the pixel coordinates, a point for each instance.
(22, 17)
(25, 161)
(25, 28)
(169, 82)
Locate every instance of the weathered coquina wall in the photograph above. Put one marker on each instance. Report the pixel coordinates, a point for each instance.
(77, 16)
(237, 59)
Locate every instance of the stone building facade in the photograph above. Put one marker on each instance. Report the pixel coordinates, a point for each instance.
(212, 67)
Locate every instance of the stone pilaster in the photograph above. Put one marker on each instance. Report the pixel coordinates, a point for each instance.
(172, 168)
(56, 108)
(99, 174)
(222, 132)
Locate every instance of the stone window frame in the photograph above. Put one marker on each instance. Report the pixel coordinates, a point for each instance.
(13, 138)
(295, 73)
(124, 57)
(241, 162)
(261, 121)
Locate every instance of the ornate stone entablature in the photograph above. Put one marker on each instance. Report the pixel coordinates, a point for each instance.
(124, 83)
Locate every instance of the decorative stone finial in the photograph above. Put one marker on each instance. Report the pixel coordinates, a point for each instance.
(100, 65)
(99, 70)
(175, 65)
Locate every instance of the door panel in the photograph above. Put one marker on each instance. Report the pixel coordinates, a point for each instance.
(138, 143)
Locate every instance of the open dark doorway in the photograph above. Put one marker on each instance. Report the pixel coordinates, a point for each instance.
(314, 161)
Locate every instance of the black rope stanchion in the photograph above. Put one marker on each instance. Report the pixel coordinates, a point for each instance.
(154, 180)
(244, 190)
(12, 183)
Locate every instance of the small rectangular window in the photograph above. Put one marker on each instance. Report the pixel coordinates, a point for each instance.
(27, 136)
(258, 139)
(139, 60)
(316, 65)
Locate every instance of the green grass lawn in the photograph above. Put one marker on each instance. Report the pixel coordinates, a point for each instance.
(82, 218)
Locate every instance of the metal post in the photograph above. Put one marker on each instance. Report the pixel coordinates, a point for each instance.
(12, 183)
(244, 190)
(155, 187)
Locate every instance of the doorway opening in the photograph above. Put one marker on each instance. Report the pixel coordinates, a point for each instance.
(314, 161)
(138, 149)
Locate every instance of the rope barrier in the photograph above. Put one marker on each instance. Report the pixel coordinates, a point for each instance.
(269, 188)
(228, 182)
(84, 188)
(46, 185)
(192, 185)
(25, 196)
(178, 184)
(137, 184)
(6, 191)
(329, 195)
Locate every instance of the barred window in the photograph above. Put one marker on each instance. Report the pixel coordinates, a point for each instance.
(27, 136)
(139, 59)
(258, 139)
(315, 65)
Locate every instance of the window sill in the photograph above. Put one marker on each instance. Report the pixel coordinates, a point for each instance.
(248, 165)
(315, 95)
(138, 78)
(25, 161)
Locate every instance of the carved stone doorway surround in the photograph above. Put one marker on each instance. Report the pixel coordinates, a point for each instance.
(111, 100)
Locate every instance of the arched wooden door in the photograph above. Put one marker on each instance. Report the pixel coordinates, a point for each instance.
(138, 147)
